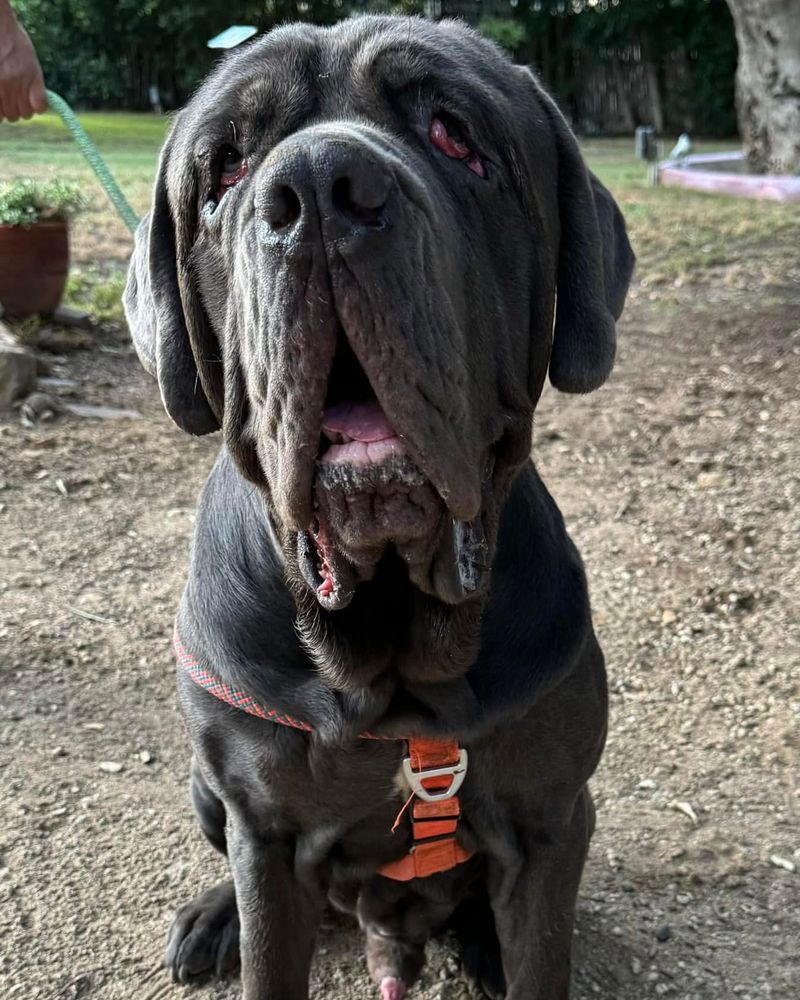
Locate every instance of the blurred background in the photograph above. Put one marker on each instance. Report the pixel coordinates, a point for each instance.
(611, 65)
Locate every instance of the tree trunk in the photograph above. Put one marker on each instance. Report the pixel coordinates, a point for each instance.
(768, 82)
(653, 94)
(621, 84)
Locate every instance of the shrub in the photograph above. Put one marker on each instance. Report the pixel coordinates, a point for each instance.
(508, 34)
(26, 202)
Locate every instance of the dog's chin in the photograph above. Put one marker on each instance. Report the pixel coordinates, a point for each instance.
(371, 502)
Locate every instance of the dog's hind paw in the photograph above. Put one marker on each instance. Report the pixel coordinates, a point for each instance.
(392, 988)
(204, 937)
(393, 963)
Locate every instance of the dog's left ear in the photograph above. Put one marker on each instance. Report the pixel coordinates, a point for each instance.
(165, 316)
(595, 263)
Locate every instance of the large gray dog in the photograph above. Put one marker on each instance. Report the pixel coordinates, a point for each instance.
(368, 245)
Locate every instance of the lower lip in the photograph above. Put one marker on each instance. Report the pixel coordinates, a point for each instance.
(363, 453)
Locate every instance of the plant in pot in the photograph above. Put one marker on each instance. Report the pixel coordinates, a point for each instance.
(34, 244)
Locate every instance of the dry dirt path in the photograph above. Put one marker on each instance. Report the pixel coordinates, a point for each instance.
(679, 481)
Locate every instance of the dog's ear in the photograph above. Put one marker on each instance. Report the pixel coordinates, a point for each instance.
(165, 316)
(595, 263)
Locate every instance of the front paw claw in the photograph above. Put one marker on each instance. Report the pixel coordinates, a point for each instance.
(204, 937)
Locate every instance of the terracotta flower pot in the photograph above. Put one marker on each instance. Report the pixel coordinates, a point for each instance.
(34, 261)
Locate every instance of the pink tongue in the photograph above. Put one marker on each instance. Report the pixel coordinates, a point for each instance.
(360, 421)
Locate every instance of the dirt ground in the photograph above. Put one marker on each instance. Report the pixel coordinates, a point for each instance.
(679, 481)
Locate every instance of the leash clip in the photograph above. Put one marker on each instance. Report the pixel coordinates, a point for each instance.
(456, 772)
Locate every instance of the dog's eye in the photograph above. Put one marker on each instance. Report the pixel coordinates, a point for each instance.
(233, 167)
(445, 134)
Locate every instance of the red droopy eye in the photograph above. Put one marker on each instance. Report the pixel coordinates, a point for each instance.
(456, 149)
(234, 168)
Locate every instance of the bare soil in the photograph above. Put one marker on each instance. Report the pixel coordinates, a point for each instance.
(679, 482)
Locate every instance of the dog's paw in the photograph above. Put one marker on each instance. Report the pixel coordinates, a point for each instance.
(204, 937)
(393, 964)
(485, 968)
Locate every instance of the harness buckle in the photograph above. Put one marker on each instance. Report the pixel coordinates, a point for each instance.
(456, 772)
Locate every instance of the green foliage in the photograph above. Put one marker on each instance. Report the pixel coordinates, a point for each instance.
(697, 32)
(105, 303)
(689, 44)
(508, 34)
(96, 53)
(26, 202)
(710, 45)
(101, 54)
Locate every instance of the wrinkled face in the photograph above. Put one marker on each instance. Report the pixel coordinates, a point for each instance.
(353, 258)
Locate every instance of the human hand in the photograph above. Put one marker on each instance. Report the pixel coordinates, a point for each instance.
(21, 82)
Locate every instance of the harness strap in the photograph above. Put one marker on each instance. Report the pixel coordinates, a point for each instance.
(434, 769)
(434, 847)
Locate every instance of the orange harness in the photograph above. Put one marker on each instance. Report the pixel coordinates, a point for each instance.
(434, 770)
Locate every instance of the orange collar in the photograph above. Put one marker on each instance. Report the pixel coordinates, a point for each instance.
(434, 770)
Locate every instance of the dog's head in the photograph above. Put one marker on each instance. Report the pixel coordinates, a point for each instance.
(367, 244)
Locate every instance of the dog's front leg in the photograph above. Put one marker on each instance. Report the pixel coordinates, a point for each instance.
(534, 906)
(279, 915)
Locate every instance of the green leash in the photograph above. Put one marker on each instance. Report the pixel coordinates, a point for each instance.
(96, 161)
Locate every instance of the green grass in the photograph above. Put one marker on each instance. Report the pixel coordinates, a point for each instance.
(126, 135)
(680, 237)
(100, 244)
(130, 143)
(684, 237)
(98, 292)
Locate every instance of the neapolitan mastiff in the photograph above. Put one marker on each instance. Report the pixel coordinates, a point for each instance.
(368, 245)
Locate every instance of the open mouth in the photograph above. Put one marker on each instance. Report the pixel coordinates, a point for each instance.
(369, 496)
(359, 434)
(355, 430)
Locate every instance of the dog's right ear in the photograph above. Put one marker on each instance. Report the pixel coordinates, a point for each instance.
(595, 264)
(595, 260)
(156, 302)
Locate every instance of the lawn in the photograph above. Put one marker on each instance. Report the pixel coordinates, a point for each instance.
(101, 244)
(681, 237)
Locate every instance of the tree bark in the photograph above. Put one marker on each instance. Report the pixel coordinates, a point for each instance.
(654, 94)
(620, 83)
(768, 82)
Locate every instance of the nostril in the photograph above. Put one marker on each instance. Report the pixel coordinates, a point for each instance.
(363, 204)
(285, 209)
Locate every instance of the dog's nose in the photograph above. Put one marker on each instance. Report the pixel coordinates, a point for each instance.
(343, 185)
